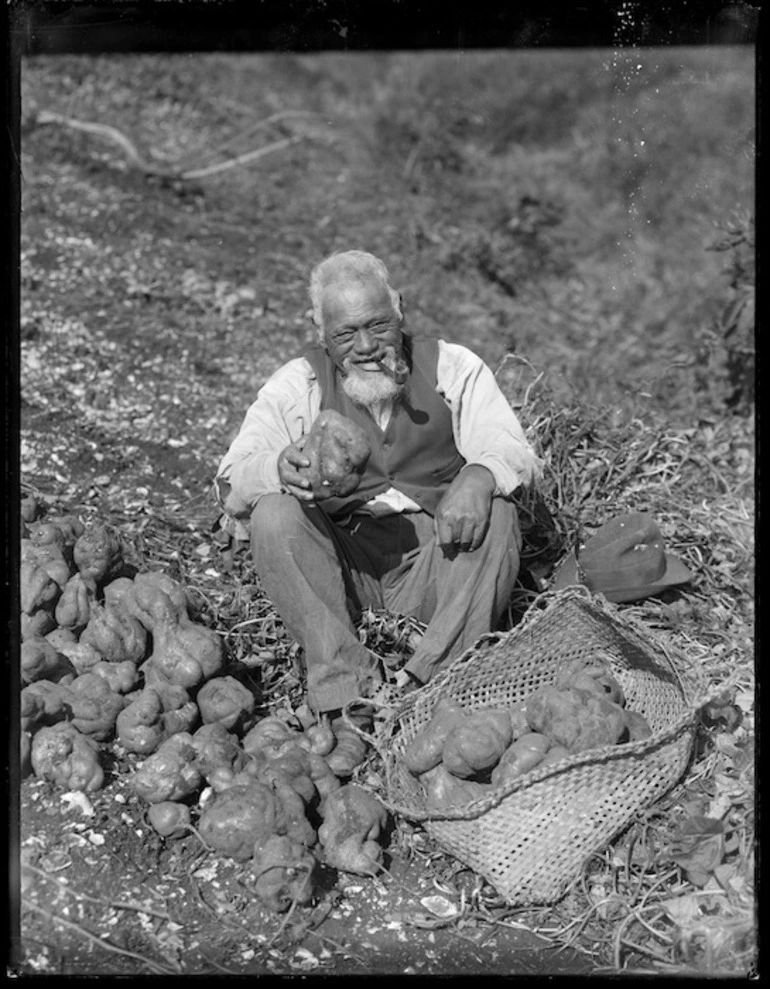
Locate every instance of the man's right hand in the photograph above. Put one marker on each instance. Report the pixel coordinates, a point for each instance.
(290, 460)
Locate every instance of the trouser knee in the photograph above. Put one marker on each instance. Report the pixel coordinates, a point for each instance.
(504, 533)
(274, 518)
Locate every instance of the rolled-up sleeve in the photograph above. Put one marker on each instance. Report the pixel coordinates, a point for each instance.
(486, 429)
(282, 413)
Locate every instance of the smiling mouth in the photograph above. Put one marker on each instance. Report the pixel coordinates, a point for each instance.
(399, 373)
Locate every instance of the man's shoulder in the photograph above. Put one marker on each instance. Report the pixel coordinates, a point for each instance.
(292, 378)
(457, 353)
(443, 346)
(302, 363)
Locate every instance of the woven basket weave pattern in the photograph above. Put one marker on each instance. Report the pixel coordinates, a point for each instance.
(530, 838)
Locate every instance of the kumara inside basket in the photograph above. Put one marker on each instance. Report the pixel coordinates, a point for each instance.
(530, 837)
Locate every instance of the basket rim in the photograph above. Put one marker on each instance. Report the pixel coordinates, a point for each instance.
(603, 753)
(548, 601)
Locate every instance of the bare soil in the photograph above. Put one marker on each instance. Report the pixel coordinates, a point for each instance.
(128, 902)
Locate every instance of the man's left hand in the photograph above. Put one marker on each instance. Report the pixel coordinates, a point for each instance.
(462, 516)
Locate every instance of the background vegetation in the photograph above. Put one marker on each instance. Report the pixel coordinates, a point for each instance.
(581, 218)
(566, 205)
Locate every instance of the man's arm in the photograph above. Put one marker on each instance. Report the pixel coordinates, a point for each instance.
(486, 429)
(490, 438)
(282, 414)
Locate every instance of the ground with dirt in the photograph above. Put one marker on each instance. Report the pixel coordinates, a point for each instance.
(169, 907)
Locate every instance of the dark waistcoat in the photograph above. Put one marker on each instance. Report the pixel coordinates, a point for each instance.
(416, 453)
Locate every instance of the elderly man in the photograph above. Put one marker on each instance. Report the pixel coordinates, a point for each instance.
(430, 532)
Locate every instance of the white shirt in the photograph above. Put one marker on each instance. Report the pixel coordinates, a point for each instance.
(485, 427)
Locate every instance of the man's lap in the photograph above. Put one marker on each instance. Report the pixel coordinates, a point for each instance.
(377, 552)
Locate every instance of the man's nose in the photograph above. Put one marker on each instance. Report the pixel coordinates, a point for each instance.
(365, 342)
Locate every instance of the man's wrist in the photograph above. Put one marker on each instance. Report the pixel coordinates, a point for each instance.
(483, 473)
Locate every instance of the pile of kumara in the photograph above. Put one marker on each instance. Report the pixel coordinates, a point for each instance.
(112, 656)
(461, 756)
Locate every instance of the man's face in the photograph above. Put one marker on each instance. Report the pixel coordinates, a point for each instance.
(360, 326)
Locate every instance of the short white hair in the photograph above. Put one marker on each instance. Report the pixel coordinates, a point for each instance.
(348, 266)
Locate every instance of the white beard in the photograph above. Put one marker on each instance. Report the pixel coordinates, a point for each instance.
(373, 390)
(370, 388)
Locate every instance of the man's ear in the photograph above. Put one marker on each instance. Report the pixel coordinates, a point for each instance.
(318, 330)
(404, 327)
(401, 308)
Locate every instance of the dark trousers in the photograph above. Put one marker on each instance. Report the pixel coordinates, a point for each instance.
(320, 575)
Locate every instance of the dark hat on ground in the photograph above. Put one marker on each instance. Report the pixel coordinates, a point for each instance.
(624, 560)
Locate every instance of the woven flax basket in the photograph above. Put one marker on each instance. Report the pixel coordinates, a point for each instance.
(530, 837)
